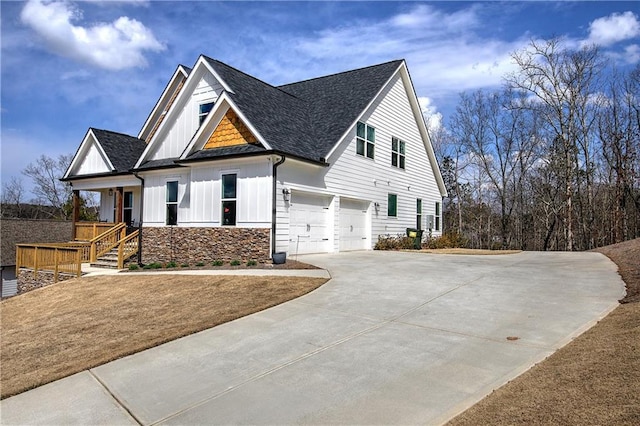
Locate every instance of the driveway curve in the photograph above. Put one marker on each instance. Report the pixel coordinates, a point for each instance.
(392, 338)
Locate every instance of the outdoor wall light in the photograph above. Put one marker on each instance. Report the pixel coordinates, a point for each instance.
(110, 192)
(376, 206)
(286, 194)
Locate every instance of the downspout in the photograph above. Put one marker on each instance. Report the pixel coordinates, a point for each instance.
(273, 203)
(141, 216)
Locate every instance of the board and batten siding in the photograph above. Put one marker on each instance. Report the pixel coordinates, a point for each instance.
(93, 162)
(174, 140)
(200, 194)
(360, 178)
(107, 204)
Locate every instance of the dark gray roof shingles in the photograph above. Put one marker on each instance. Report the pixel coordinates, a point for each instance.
(122, 150)
(307, 118)
(304, 119)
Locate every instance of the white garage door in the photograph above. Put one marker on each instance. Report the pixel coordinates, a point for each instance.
(309, 224)
(353, 224)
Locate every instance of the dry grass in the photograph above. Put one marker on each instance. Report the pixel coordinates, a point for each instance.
(481, 252)
(594, 380)
(74, 325)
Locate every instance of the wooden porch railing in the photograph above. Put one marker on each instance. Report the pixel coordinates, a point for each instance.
(51, 258)
(104, 242)
(128, 246)
(86, 231)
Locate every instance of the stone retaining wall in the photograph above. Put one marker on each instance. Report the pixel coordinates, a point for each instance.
(193, 245)
(28, 281)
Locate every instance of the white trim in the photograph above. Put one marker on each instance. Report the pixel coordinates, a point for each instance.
(82, 151)
(94, 184)
(178, 71)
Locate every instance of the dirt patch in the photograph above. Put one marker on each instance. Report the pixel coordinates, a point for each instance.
(53, 332)
(466, 251)
(594, 380)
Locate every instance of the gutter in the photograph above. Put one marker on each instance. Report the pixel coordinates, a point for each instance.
(273, 203)
(141, 216)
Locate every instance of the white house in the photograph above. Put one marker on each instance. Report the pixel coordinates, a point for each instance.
(229, 167)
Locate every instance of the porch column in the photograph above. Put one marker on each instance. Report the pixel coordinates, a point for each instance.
(119, 197)
(76, 212)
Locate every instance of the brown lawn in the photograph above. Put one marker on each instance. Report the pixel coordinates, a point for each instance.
(594, 380)
(74, 325)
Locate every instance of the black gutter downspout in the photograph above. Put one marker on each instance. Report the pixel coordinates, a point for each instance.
(273, 204)
(141, 216)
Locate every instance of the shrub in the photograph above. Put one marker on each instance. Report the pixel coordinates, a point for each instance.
(133, 267)
(235, 262)
(217, 263)
(389, 242)
(184, 265)
(252, 263)
(171, 264)
(154, 265)
(451, 239)
(200, 264)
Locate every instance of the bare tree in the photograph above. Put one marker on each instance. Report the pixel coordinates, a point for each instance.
(12, 197)
(45, 174)
(562, 83)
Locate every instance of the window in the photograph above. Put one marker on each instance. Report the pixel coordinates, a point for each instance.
(392, 205)
(397, 153)
(419, 213)
(204, 111)
(437, 216)
(365, 140)
(172, 203)
(229, 199)
(128, 208)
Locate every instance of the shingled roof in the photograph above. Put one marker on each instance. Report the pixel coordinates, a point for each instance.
(305, 119)
(122, 150)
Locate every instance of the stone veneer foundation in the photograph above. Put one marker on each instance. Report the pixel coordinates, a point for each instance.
(193, 245)
(28, 280)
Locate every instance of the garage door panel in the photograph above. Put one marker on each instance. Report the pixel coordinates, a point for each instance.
(353, 224)
(308, 224)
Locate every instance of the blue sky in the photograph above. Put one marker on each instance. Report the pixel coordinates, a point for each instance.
(69, 65)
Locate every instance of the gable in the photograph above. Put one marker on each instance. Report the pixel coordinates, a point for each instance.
(93, 161)
(231, 131)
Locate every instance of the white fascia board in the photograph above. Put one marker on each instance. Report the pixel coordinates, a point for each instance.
(98, 183)
(375, 98)
(89, 138)
(247, 123)
(422, 127)
(202, 60)
(180, 71)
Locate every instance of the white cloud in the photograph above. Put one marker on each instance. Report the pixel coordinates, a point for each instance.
(443, 51)
(432, 117)
(114, 46)
(613, 29)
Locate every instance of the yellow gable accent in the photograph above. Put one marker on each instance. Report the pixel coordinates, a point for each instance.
(231, 131)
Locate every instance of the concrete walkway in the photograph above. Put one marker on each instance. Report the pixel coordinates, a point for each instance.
(393, 338)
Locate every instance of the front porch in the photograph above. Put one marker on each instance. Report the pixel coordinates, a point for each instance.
(97, 244)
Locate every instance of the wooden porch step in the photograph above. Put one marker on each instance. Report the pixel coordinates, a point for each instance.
(105, 264)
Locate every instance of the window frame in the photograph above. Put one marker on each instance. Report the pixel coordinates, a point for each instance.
(399, 154)
(437, 216)
(128, 195)
(170, 205)
(366, 146)
(390, 197)
(202, 115)
(224, 201)
(419, 213)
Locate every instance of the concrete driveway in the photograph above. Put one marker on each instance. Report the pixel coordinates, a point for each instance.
(393, 338)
